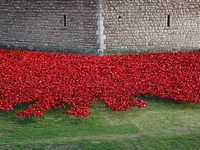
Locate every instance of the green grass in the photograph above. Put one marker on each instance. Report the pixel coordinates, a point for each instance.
(163, 124)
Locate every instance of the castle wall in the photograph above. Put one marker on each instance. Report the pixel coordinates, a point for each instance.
(134, 26)
(100, 26)
(55, 25)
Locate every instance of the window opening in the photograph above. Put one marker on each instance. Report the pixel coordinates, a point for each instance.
(65, 22)
(168, 20)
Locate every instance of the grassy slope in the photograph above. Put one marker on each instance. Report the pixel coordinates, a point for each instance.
(161, 125)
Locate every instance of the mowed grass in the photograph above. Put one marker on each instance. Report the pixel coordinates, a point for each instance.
(163, 124)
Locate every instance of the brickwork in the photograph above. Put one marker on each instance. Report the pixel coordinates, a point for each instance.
(101, 26)
(151, 25)
(58, 25)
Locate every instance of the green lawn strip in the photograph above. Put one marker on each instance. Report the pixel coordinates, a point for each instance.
(182, 142)
(161, 123)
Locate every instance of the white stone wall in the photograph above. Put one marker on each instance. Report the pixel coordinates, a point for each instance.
(134, 26)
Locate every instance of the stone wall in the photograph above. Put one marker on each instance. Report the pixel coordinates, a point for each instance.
(100, 26)
(134, 26)
(55, 25)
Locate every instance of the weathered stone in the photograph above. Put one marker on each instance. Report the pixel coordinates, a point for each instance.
(62, 25)
(151, 25)
(109, 26)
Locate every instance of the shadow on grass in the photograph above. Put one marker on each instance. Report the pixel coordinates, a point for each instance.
(55, 114)
(170, 103)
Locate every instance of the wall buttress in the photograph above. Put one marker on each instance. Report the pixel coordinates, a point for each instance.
(100, 34)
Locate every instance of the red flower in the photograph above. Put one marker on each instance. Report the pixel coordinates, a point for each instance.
(57, 80)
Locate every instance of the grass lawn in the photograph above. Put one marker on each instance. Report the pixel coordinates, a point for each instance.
(163, 124)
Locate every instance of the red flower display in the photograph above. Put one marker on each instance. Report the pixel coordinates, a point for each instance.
(57, 80)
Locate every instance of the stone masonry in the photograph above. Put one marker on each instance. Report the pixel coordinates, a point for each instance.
(100, 27)
(151, 25)
(54, 25)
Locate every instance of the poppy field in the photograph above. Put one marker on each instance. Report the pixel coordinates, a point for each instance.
(72, 82)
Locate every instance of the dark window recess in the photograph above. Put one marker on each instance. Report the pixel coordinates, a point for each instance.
(168, 20)
(65, 22)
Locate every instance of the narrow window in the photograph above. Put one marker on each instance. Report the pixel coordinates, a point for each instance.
(168, 20)
(65, 23)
